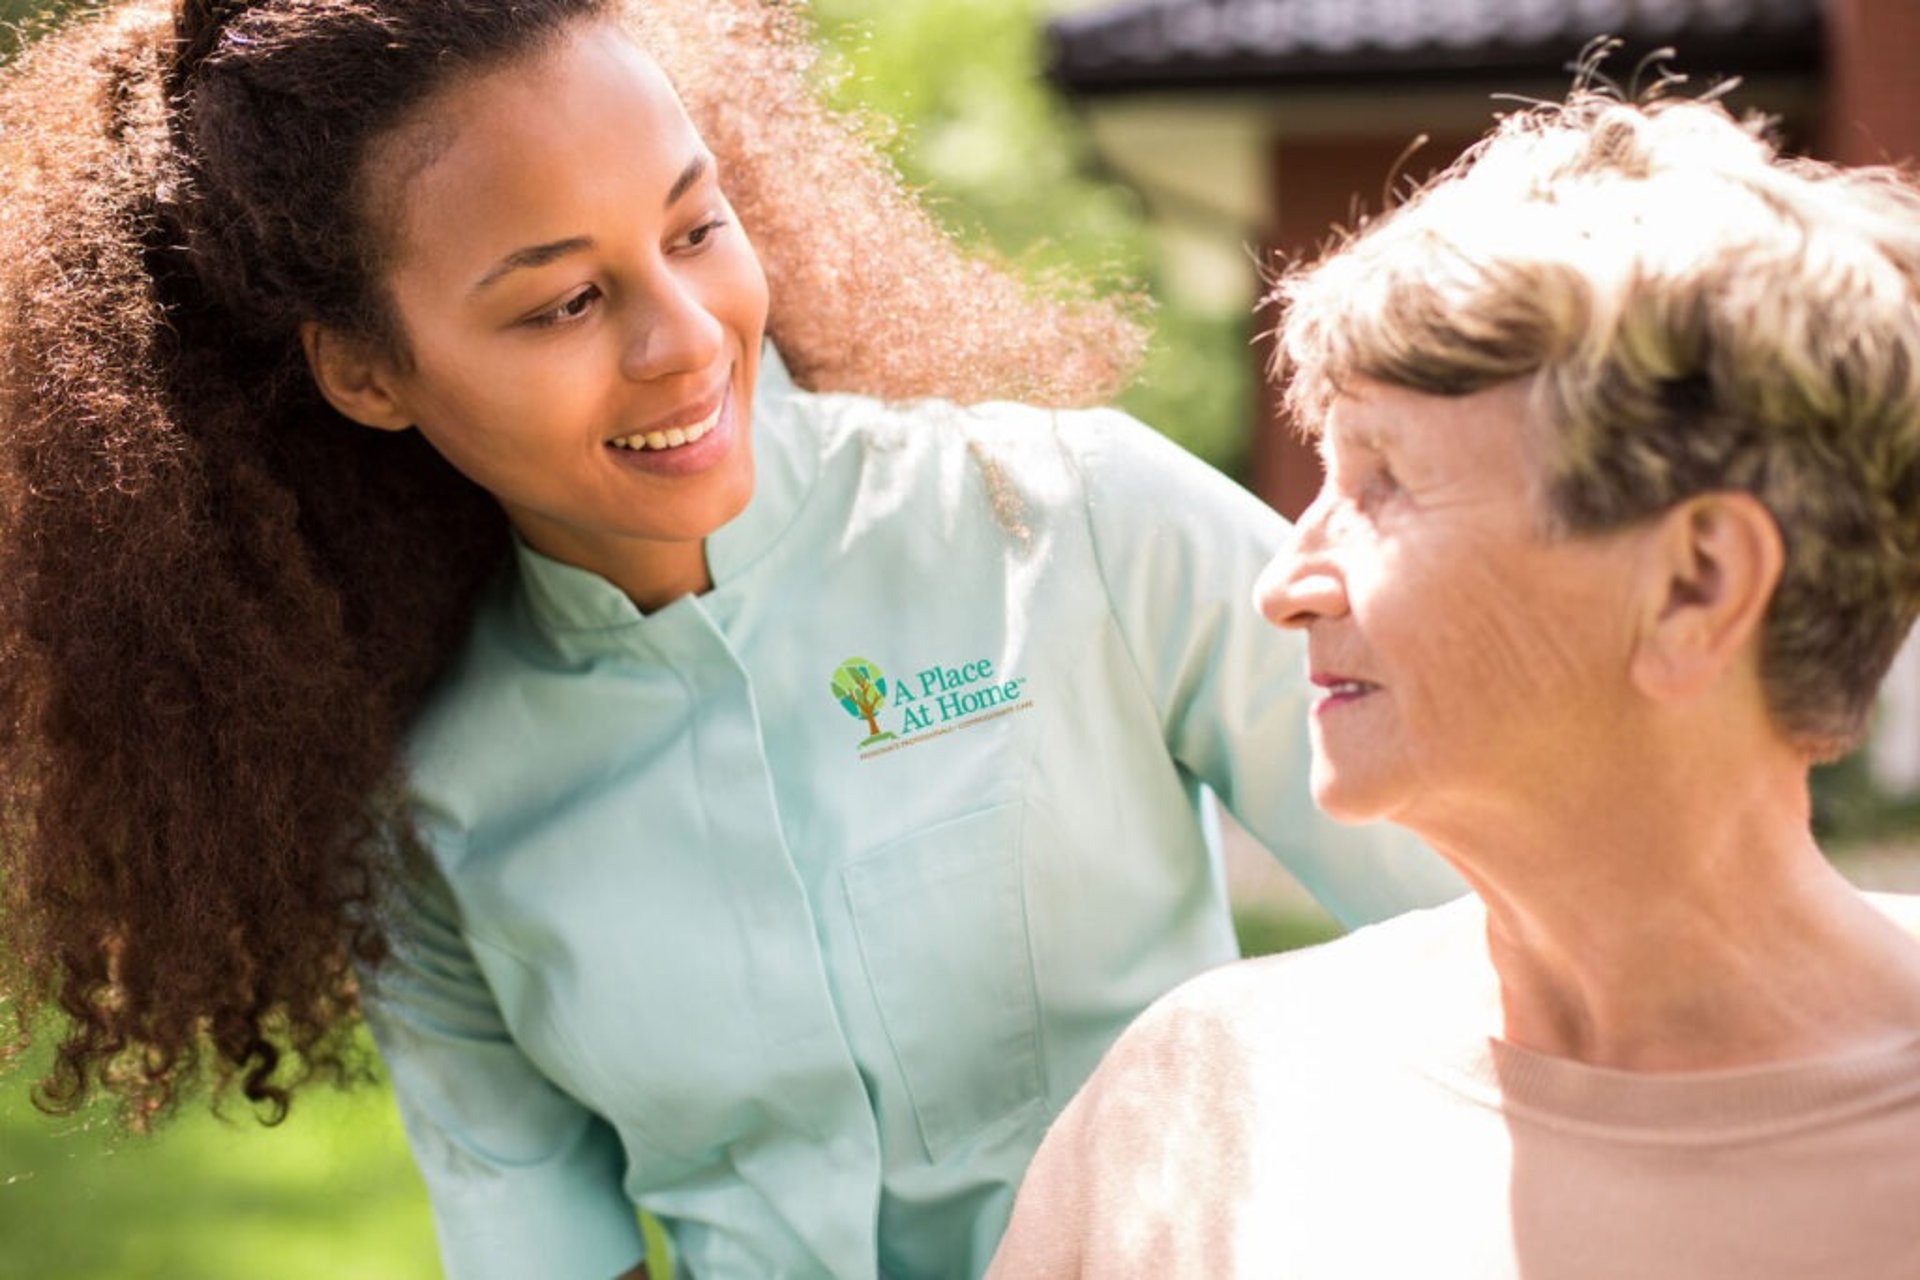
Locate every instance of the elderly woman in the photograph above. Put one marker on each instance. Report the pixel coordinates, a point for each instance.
(1620, 531)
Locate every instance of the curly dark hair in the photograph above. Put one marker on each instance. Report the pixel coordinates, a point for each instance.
(220, 603)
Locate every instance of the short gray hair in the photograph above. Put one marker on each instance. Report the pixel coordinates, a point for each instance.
(1695, 313)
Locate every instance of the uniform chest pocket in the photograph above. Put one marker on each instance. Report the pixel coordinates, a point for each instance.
(941, 918)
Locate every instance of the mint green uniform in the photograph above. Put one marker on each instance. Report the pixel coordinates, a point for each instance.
(793, 912)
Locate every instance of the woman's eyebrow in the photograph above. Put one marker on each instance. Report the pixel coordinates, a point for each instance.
(688, 176)
(539, 255)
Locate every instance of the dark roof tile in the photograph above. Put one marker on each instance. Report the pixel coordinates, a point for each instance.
(1165, 43)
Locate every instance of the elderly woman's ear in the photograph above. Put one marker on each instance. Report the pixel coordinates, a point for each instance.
(1711, 564)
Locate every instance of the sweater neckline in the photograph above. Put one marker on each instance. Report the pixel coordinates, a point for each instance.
(1680, 1107)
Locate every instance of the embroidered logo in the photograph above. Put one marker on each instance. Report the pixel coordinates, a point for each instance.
(862, 690)
(931, 702)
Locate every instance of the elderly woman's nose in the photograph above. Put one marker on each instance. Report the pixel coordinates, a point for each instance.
(1297, 587)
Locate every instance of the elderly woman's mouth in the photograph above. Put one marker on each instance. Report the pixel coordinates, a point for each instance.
(1341, 689)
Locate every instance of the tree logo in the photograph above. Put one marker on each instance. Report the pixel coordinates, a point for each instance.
(862, 690)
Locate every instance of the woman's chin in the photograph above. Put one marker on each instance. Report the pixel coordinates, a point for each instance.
(1346, 798)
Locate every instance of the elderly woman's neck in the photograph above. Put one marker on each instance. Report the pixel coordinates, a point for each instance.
(1683, 919)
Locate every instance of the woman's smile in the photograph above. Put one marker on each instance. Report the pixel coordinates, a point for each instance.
(1339, 691)
(678, 429)
(681, 445)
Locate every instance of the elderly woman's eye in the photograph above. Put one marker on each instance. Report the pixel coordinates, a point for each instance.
(1380, 485)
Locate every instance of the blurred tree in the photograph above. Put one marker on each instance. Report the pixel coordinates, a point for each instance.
(955, 91)
(13, 13)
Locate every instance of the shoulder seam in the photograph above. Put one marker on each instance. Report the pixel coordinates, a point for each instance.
(1081, 472)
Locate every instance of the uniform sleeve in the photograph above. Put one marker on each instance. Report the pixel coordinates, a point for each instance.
(523, 1179)
(1179, 547)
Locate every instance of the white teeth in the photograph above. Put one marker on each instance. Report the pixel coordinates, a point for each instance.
(673, 438)
(1347, 686)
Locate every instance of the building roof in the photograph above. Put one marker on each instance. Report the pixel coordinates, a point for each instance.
(1240, 44)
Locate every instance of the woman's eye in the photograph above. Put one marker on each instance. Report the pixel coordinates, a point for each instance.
(698, 237)
(1368, 481)
(574, 306)
(1380, 485)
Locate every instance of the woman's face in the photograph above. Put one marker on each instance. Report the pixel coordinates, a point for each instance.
(1461, 657)
(583, 313)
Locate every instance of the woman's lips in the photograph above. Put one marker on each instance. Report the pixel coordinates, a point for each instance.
(701, 444)
(1338, 691)
(673, 437)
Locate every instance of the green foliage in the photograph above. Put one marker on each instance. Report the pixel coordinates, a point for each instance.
(953, 89)
(956, 91)
(1848, 809)
(16, 15)
(1265, 930)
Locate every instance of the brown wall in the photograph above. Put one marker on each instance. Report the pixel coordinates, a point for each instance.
(1872, 100)
(1317, 186)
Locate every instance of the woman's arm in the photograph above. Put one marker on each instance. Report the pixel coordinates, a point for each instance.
(523, 1179)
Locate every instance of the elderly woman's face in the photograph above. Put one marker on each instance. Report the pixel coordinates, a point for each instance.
(1461, 657)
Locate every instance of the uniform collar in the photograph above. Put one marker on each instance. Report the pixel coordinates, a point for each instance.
(786, 459)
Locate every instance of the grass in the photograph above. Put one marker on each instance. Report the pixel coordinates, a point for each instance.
(329, 1195)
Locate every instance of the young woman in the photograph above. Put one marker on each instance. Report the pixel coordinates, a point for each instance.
(439, 547)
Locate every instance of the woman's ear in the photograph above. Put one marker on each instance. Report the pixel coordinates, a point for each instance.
(355, 378)
(1712, 564)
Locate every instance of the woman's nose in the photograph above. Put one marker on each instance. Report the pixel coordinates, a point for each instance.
(1299, 586)
(673, 333)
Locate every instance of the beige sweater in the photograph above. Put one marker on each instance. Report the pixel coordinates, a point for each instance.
(1321, 1115)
